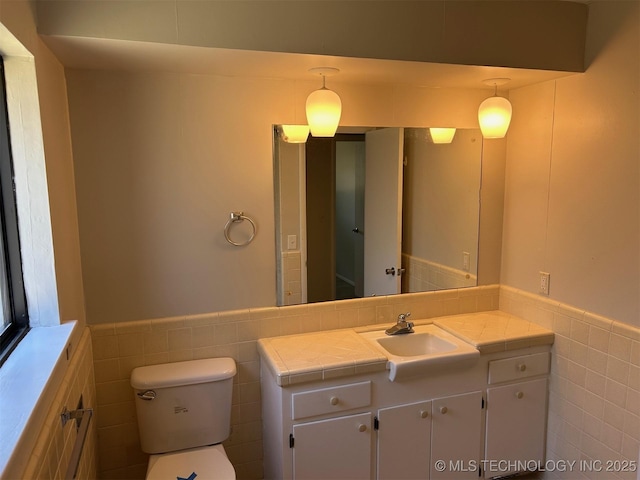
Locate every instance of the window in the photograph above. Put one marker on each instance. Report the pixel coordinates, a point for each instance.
(15, 321)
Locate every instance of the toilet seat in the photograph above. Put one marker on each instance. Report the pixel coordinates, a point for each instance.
(203, 463)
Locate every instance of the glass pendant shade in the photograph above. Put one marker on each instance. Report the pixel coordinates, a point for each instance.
(323, 112)
(295, 133)
(494, 116)
(442, 135)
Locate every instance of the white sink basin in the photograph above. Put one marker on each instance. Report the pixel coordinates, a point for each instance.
(429, 348)
(413, 344)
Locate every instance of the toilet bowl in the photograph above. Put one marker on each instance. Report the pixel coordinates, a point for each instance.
(202, 463)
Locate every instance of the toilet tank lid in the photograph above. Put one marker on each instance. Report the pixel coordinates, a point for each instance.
(183, 373)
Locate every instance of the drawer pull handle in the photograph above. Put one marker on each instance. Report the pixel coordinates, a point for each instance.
(522, 367)
(424, 414)
(334, 400)
(443, 410)
(519, 395)
(362, 427)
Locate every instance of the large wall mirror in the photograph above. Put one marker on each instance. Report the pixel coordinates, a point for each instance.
(376, 211)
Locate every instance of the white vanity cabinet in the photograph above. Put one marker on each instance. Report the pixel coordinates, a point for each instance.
(315, 431)
(413, 437)
(404, 441)
(336, 448)
(330, 409)
(456, 435)
(516, 413)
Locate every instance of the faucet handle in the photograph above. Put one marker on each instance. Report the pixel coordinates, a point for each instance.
(403, 317)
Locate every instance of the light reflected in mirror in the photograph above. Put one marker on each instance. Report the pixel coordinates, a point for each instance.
(375, 211)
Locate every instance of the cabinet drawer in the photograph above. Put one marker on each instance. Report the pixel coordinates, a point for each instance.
(330, 400)
(519, 367)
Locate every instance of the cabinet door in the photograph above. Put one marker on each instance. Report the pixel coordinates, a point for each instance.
(456, 434)
(337, 448)
(516, 425)
(404, 441)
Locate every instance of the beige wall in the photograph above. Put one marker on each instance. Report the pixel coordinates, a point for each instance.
(19, 18)
(572, 208)
(54, 111)
(491, 211)
(41, 147)
(441, 188)
(572, 204)
(162, 159)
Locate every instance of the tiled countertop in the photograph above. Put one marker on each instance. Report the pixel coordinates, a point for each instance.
(339, 353)
(320, 356)
(495, 331)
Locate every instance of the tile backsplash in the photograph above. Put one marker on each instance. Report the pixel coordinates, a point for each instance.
(594, 400)
(594, 413)
(423, 275)
(120, 347)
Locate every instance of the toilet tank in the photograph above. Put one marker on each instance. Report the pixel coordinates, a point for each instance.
(183, 404)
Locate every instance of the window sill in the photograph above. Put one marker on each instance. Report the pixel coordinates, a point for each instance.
(29, 380)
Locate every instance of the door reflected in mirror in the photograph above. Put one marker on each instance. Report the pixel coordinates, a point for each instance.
(376, 211)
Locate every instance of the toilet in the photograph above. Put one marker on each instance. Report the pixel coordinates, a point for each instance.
(184, 415)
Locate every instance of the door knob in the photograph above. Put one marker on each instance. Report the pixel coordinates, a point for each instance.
(355, 230)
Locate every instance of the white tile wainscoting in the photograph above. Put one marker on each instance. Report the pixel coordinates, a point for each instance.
(594, 398)
(594, 402)
(423, 275)
(51, 455)
(119, 347)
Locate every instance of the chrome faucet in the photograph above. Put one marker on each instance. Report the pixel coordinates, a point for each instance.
(402, 326)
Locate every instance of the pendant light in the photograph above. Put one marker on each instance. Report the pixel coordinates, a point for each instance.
(494, 113)
(323, 106)
(442, 135)
(295, 133)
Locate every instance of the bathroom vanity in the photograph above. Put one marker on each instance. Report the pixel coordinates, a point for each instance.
(332, 411)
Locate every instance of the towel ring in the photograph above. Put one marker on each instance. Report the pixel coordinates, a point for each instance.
(236, 217)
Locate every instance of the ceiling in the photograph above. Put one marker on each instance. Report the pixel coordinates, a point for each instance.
(124, 55)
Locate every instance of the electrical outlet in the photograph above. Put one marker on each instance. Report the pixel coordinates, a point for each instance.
(545, 278)
(466, 261)
(292, 242)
